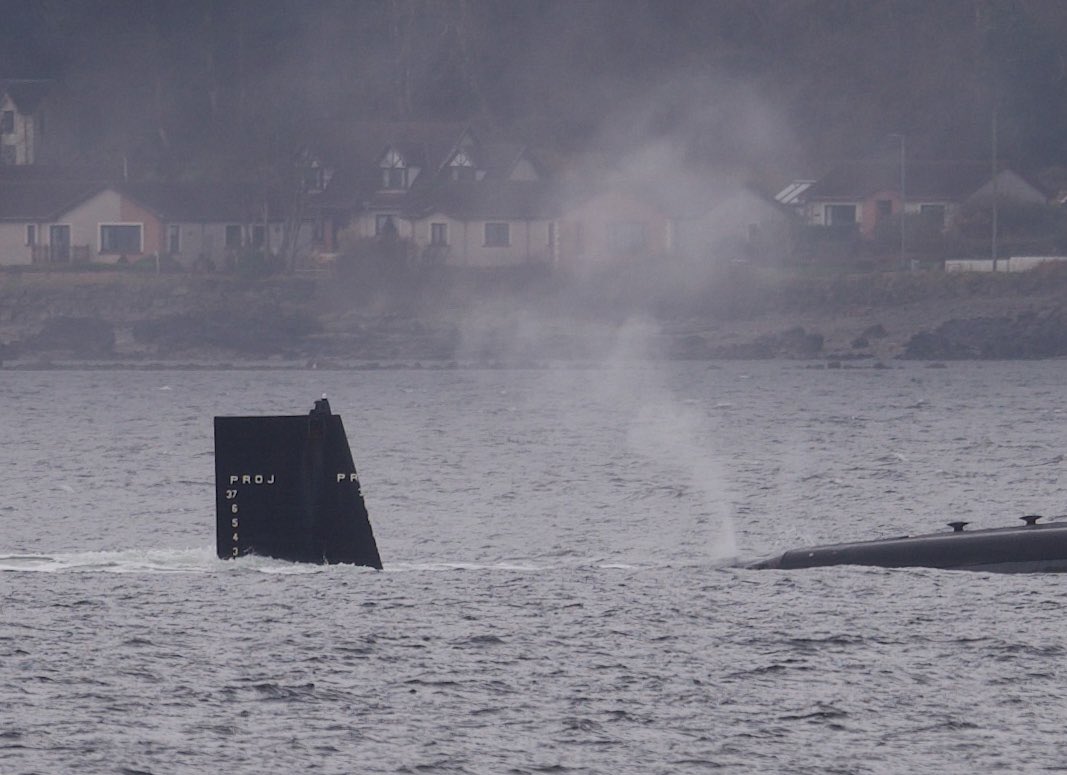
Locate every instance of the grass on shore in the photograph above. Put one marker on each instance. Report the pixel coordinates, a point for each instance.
(665, 290)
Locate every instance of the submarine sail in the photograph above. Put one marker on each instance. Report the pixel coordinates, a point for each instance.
(286, 487)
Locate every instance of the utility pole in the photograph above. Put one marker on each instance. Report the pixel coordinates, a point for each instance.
(903, 198)
(993, 240)
(903, 203)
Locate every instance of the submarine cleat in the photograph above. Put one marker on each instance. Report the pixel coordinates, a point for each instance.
(1027, 548)
(286, 487)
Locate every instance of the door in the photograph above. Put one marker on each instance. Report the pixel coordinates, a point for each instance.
(59, 240)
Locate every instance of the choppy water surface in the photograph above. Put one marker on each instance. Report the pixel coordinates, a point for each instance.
(554, 598)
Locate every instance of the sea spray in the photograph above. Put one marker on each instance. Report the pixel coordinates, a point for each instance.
(675, 439)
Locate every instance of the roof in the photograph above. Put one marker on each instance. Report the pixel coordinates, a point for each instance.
(26, 93)
(360, 144)
(504, 199)
(204, 202)
(26, 173)
(354, 150)
(39, 201)
(677, 195)
(792, 193)
(499, 159)
(950, 180)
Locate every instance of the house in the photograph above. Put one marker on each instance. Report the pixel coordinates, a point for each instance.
(682, 215)
(737, 223)
(860, 195)
(201, 226)
(21, 120)
(488, 223)
(453, 198)
(619, 221)
(211, 225)
(36, 225)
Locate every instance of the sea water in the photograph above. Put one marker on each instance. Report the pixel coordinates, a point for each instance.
(558, 593)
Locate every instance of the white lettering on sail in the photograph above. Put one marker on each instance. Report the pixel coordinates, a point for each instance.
(343, 477)
(250, 479)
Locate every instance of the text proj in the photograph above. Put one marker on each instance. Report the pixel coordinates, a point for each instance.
(251, 478)
(270, 478)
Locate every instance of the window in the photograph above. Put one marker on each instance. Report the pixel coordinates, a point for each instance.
(396, 177)
(314, 178)
(233, 236)
(31, 233)
(933, 214)
(258, 235)
(462, 166)
(174, 241)
(385, 226)
(59, 242)
(120, 238)
(627, 236)
(840, 215)
(7, 154)
(394, 170)
(438, 233)
(463, 173)
(7, 122)
(497, 234)
(885, 208)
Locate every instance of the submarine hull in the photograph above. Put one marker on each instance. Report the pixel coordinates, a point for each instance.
(1029, 549)
(286, 487)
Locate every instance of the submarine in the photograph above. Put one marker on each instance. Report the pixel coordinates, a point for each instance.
(1027, 548)
(286, 487)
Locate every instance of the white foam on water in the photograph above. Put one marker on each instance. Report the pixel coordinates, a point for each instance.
(118, 561)
(204, 561)
(192, 561)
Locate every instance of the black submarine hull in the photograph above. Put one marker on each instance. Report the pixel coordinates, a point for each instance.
(286, 487)
(1031, 548)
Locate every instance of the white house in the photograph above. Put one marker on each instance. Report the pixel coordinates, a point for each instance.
(210, 225)
(37, 224)
(457, 200)
(21, 120)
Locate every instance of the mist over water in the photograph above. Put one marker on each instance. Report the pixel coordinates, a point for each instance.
(554, 598)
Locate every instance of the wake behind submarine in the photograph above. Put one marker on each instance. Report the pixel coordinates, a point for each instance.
(1027, 548)
(286, 487)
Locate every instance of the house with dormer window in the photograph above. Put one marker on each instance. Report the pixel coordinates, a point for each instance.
(455, 199)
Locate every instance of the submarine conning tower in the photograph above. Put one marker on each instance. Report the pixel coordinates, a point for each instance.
(286, 487)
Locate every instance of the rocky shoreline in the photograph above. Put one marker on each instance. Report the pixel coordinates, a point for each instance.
(198, 321)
